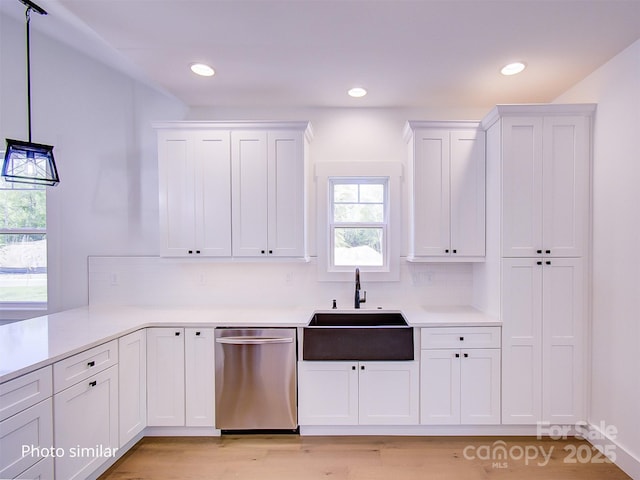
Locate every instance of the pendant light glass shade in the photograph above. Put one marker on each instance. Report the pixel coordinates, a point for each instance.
(33, 163)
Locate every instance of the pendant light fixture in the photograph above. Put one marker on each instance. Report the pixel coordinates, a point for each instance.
(28, 162)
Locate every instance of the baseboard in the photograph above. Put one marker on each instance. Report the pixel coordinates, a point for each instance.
(181, 432)
(422, 430)
(618, 454)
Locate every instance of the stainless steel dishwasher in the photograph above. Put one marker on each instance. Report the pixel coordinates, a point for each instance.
(256, 379)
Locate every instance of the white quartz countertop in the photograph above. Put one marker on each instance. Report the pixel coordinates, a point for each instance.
(30, 344)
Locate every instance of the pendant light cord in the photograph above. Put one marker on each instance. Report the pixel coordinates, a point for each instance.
(28, 17)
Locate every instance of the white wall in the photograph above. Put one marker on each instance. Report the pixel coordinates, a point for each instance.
(99, 123)
(615, 333)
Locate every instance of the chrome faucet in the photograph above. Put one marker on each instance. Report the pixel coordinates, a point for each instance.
(359, 300)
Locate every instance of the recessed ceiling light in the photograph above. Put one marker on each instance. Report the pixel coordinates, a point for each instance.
(202, 69)
(357, 92)
(513, 68)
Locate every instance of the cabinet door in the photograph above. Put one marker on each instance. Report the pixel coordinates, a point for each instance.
(165, 377)
(431, 192)
(132, 373)
(31, 427)
(43, 470)
(199, 377)
(177, 173)
(565, 185)
(388, 393)
(563, 362)
(328, 393)
(86, 419)
(480, 386)
(467, 211)
(195, 192)
(212, 193)
(521, 341)
(249, 181)
(286, 201)
(521, 186)
(440, 387)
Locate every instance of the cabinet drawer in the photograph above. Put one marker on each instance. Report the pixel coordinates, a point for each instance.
(43, 470)
(81, 366)
(460, 337)
(32, 427)
(24, 391)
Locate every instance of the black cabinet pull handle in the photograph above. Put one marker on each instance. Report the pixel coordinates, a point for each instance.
(197, 334)
(462, 339)
(190, 252)
(91, 364)
(362, 367)
(93, 384)
(197, 251)
(457, 355)
(539, 263)
(446, 250)
(353, 367)
(177, 334)
(466, 355)
(548, 252)
(548, 262)
(538, 251)
(455, 251)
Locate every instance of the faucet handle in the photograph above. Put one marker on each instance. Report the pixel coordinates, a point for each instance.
(364, 297)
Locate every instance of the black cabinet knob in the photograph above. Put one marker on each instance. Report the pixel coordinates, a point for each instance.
(446, 250)
(93, 384)
(270, 252)
(197, 334)
(353, 367)
(262, 252)
(457, 355)
(455, 251)
(361, 367)
(462, 339)
(190, 252)
(539, 263)
(197, 251)
(547, 252)
(466, 355)
(91, 364)
(548, 262)
(538, 251)
(177, 334)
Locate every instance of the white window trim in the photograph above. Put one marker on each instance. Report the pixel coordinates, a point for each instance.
(393, 173)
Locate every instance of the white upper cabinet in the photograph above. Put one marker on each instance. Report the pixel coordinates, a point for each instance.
(232, 180)
(195, 192)
(545, 182)
(447, 191)
(269, 176)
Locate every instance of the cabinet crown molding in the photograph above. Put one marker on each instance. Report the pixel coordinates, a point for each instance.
(412, 125)
(533, 109)
(237, 125)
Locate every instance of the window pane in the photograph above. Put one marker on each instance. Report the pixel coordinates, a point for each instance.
(372, 193)
(23, 268)
(23, 208)
(358, 247)
(345, 193)
(351, 213)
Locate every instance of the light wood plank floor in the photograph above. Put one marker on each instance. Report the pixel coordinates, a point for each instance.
(291, 457)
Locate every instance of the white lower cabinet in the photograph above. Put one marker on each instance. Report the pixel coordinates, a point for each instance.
(43, 470)
(460, 385)
(132, 375)
(180, 377)
(85, 416)
(358, 393)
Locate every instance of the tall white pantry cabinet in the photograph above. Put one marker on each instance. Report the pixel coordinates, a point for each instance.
(538, 186)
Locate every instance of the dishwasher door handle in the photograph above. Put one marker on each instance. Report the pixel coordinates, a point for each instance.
(247, 340)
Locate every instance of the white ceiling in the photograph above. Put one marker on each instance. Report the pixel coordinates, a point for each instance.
(301, 53)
